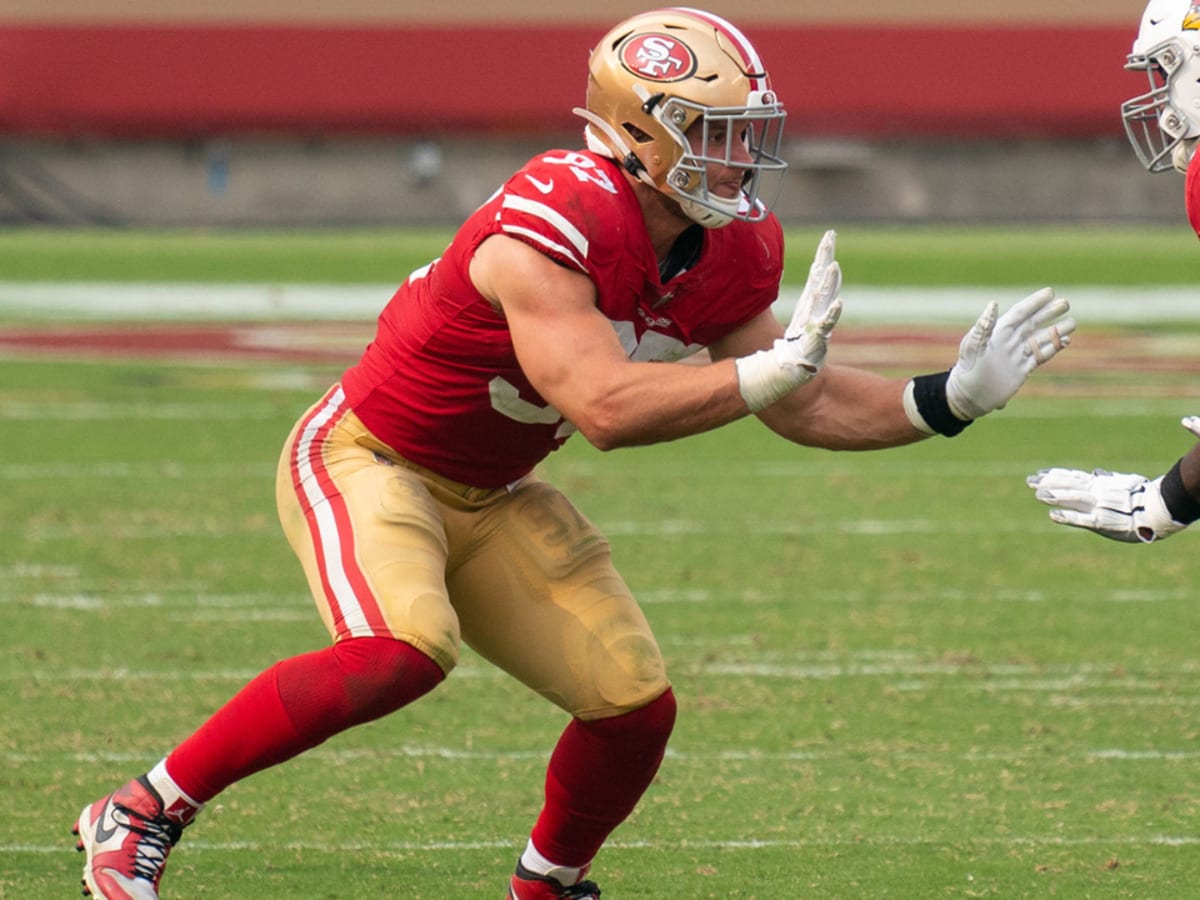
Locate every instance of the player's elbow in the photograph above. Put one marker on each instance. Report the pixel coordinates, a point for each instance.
(603, 434)
(606, 426)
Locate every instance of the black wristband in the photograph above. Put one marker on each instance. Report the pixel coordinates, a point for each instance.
(929, 392)
(1183, 507)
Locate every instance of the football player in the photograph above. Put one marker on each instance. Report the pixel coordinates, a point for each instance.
(1163, 126)
(409, 493)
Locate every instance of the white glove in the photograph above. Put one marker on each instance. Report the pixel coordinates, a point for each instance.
(1122, 507)
(1192, 424)
(997, 354)
(797, 357)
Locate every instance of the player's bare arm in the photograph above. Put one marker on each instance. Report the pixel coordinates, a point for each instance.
(842, 409)
(571, 355)
(850, 409)
(1189, 466)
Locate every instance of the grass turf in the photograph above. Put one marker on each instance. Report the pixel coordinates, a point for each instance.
(901, 255)
(896, 678)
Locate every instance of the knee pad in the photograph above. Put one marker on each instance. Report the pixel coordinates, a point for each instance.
(384, 674)
(651, 724)
(352, 682)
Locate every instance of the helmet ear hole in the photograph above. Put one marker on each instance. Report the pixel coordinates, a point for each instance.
(636, 133)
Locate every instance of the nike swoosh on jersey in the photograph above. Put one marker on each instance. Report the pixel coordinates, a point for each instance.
(544, 186)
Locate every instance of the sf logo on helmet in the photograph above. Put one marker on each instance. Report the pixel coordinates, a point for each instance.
(658, 57)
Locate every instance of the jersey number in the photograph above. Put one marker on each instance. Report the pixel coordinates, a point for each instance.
(506, 400)
(583, 168)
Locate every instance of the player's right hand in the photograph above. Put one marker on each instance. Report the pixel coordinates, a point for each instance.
(1119, 506)
(818, 308)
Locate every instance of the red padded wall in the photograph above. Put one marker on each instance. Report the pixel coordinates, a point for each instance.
(173, 80)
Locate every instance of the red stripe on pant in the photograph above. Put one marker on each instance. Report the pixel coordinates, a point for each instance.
(346, 588)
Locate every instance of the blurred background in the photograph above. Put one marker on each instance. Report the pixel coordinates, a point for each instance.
(282, 113)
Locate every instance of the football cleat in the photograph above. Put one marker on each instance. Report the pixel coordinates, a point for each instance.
(526, 885)
(127, 836)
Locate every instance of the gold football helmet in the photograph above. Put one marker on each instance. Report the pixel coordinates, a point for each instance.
(655, 76)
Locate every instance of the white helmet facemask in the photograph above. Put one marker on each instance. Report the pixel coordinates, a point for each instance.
(1163, 124)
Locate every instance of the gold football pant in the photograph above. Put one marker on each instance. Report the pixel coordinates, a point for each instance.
(392, 549)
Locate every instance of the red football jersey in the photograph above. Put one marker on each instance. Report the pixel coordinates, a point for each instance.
(1193, 192)
(440, 383)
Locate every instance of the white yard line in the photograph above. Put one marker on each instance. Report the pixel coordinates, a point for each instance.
(90, 411)
(675, 758)
(406, 847)
(864, 304)
(102, 301)
(169, 598)
(456, 754)
(1032, 678)
(665, 529)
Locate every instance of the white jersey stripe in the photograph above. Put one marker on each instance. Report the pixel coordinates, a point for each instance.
(551, 217)
(539, 238)
(328, 540)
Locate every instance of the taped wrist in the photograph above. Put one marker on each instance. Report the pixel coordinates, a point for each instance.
(762, 379)
(927, 407)
(1183, 507)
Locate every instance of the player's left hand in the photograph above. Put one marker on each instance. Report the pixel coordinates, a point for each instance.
(998, 353)
(1192, 424)
(1119, 506)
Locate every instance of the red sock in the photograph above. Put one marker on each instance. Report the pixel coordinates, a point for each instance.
(598, 772)
(297, 704)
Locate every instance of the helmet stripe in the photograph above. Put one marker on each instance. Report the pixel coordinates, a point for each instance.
(750, 58)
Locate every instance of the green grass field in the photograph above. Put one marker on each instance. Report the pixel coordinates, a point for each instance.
(902, 255)
(896, 678)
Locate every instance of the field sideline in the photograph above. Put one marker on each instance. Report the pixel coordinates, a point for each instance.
(865, 304)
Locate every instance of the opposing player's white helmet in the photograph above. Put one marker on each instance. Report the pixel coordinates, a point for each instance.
(1164, 123)
(655, 75)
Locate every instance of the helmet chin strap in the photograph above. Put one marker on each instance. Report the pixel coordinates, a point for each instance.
(701, 215)
(1181, 154)
(616, 142)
